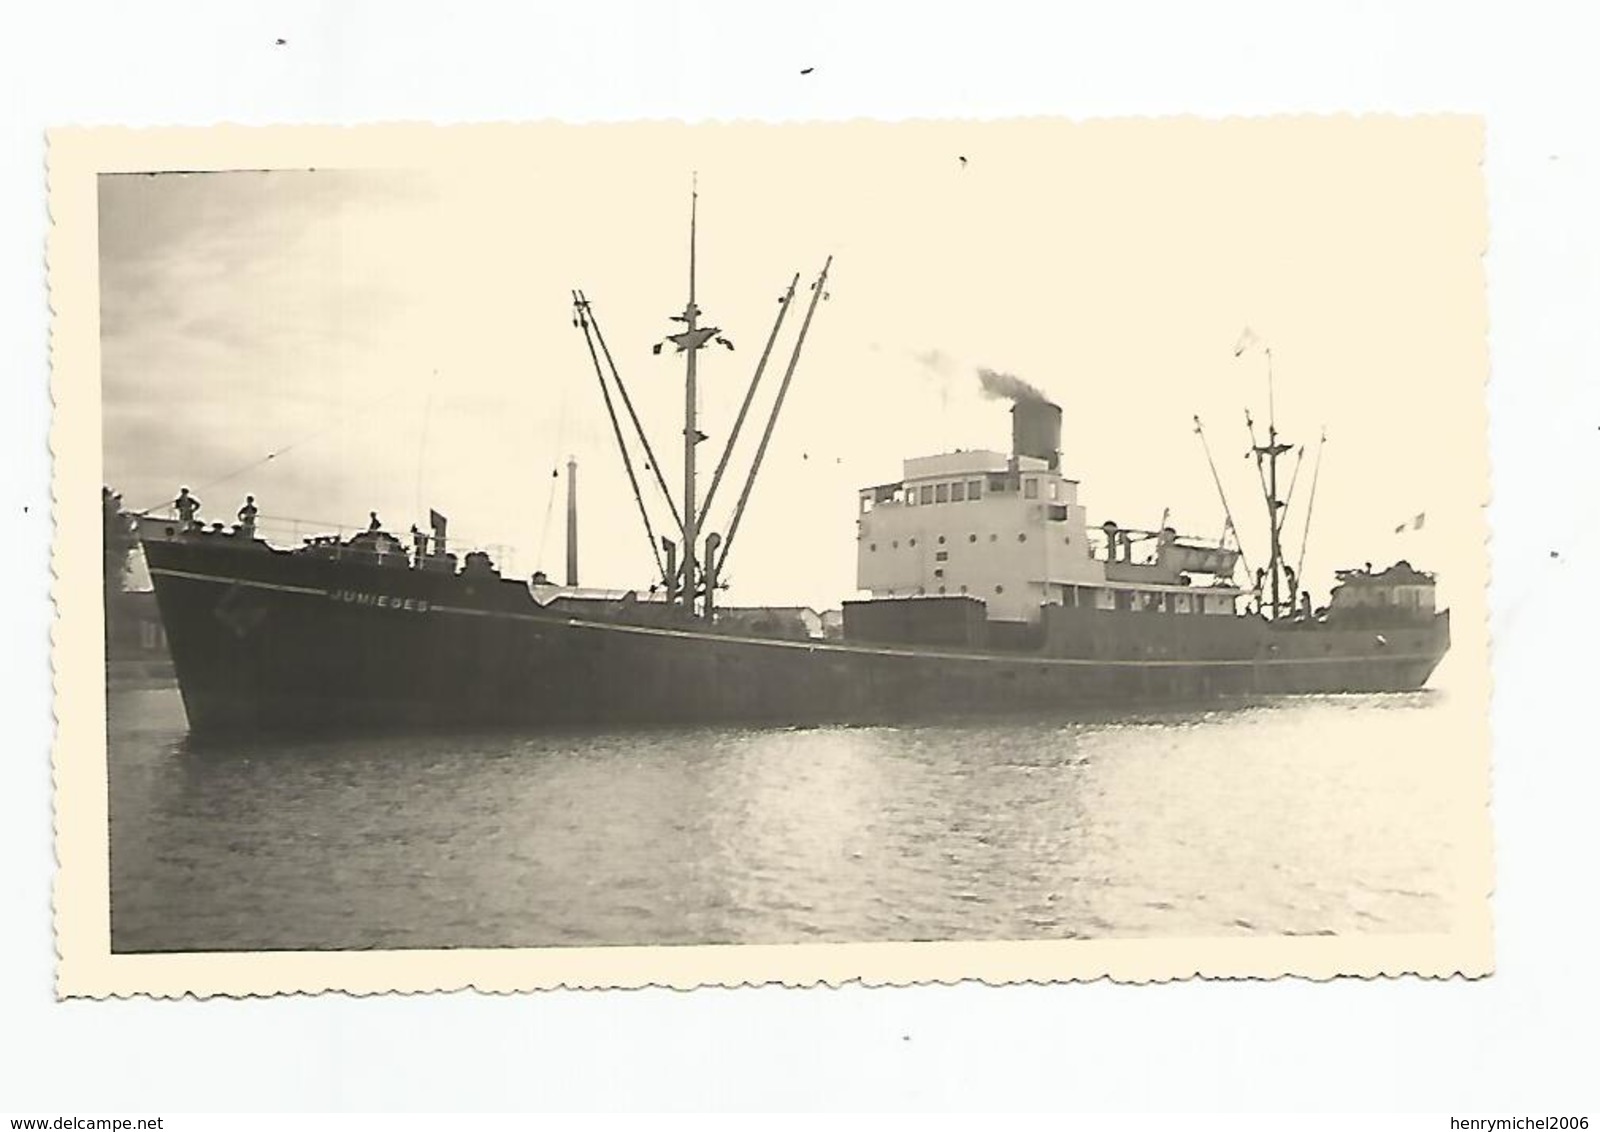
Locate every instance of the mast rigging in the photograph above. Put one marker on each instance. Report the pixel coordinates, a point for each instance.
(581, 319)
(685, 572)
(1227, 512)
(784, 303)
(627, 403)
(1267, 472)
(1305, 534)
(818, 293)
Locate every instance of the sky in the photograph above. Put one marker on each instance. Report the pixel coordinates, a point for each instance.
(341, 340)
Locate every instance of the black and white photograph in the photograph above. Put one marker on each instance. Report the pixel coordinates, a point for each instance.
(605, 555)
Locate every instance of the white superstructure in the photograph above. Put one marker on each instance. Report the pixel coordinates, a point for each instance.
(1008, 528)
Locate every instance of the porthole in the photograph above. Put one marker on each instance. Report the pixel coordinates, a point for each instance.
(912, 542)
(872, 546)
(1021, 537)
(999, 589)
(994, 538)
(895, 545)
(941, 540)
(972, 538)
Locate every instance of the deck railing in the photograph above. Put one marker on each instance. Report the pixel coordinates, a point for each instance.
(288, 532)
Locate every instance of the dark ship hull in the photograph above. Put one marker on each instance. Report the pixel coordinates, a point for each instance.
(268, 641)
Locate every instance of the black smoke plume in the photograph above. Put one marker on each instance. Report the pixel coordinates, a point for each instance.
(1008, 386)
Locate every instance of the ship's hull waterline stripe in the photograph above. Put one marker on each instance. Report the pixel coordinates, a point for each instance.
(817, 646)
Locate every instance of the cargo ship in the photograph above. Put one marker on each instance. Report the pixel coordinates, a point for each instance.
(986, 590)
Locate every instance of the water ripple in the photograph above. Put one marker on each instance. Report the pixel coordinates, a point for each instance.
(1313, 816)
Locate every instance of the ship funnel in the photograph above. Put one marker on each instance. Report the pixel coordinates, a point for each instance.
(1036, 431)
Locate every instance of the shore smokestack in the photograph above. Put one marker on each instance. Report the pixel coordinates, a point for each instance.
(1036, 431)
(572, 521)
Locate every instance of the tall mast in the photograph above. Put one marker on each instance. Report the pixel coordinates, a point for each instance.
(691, 431)
(689, 341)
(1272, 511)
(1270, 452)
(1272, 457)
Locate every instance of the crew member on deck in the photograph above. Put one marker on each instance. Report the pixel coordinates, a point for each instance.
(419, 543)
(187, 507)
(247, 517)
(374, 525)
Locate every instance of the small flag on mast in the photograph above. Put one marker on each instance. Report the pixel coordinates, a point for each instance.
(1246, 340)
(1412, 525)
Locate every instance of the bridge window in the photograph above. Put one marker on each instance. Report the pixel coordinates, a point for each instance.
(941, 493)
(926, 491)
(974, 489)
(1030, 488)
(958, 492)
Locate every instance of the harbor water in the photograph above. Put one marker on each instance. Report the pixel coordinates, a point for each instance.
(1336, 814)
